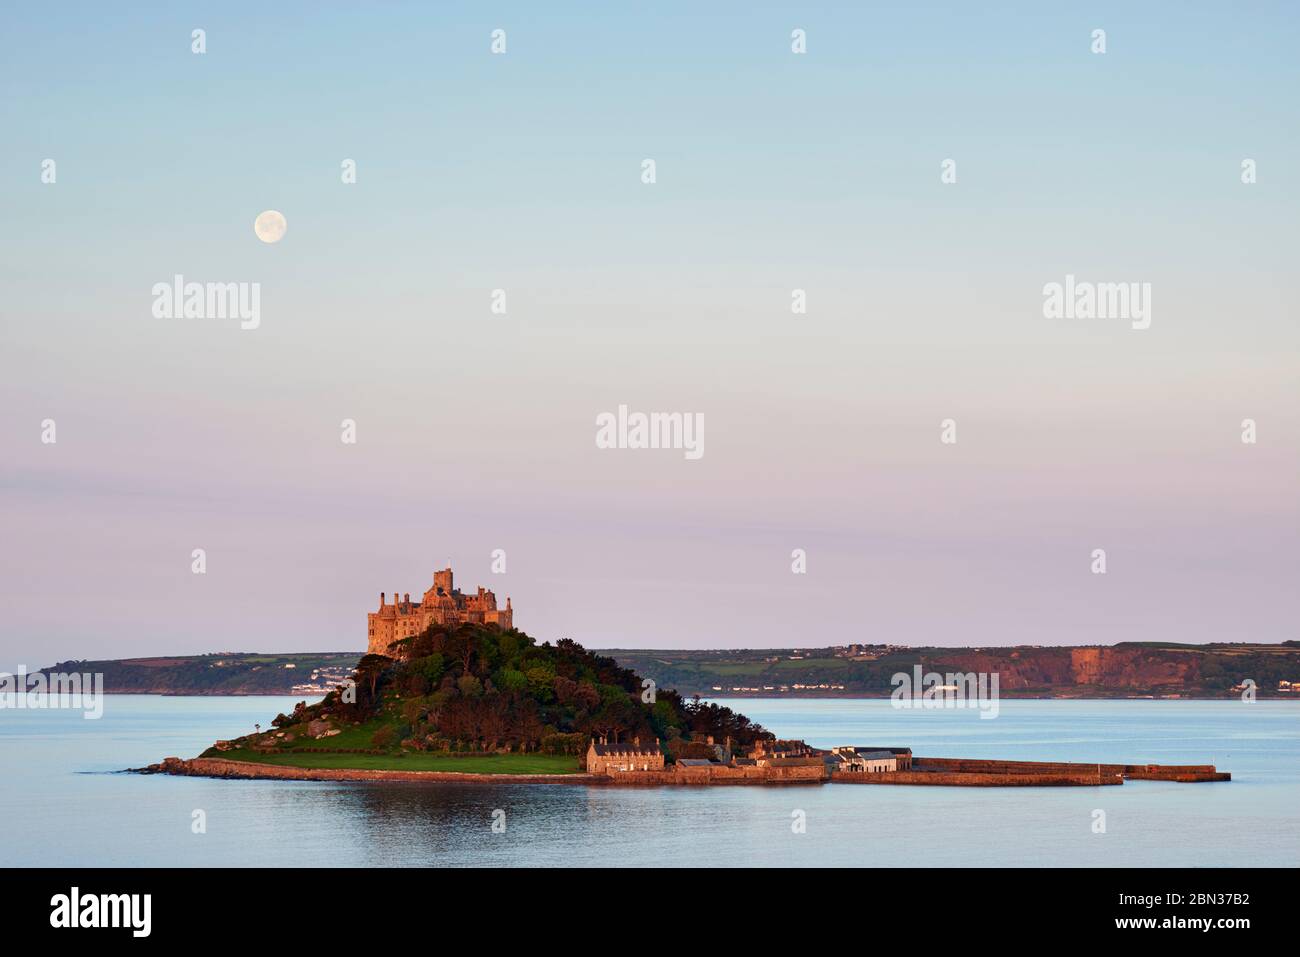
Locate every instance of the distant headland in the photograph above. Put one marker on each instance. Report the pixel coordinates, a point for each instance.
(1146, 670)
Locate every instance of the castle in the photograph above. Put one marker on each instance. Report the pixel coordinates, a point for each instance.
(443, 604)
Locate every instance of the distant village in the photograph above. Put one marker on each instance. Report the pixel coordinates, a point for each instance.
(323, 680)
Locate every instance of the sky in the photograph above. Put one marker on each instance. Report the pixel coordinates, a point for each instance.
(774, 171)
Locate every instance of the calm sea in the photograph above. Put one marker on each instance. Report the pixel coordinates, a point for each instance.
(61, 803)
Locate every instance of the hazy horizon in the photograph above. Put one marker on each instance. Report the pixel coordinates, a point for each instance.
(737, 648)
(775, 171)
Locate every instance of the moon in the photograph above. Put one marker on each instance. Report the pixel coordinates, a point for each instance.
(270, 226)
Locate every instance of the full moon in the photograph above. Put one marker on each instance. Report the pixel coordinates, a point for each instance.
(270, 226)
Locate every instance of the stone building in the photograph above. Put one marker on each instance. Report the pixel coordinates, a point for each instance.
(626, 756)
(766, 750)
(442, 604)
(872, 760)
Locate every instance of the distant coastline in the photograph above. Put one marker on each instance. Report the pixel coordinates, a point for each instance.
(1124, 671)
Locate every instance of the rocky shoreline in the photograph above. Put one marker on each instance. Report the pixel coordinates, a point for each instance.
(226, 768)
(930, 772)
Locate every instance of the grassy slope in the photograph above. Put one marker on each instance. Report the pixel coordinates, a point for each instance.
(359, 737)
(416, 761)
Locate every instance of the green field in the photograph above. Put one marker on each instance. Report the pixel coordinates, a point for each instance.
(416, 761)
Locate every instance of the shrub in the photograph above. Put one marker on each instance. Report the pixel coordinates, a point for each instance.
(574, 743)
(470, 686)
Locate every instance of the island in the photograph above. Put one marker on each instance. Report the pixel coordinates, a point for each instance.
(474, 701)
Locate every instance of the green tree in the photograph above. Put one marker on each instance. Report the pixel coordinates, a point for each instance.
(469, 686)
(541, 681)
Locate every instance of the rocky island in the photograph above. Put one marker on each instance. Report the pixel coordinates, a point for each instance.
(468, 701)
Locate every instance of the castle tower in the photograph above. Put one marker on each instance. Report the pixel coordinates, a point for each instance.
(443, 580)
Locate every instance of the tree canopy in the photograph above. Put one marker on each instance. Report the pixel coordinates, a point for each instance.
(482, 688)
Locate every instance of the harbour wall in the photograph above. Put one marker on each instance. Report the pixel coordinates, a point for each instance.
(975, 779)
(1186, 773)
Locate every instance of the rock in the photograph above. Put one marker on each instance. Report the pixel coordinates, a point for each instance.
(166, 766)
(317, 728)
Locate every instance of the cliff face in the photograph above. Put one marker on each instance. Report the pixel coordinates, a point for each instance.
(1063, 669)
(1134, 668)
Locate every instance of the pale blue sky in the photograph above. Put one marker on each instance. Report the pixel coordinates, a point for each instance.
(775, 171)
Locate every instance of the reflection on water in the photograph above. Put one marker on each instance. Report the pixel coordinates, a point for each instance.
(51, 814)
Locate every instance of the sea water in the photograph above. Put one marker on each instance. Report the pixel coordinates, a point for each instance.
(63, 804)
